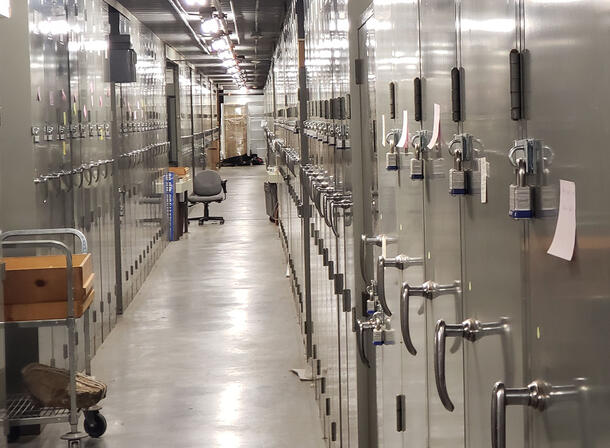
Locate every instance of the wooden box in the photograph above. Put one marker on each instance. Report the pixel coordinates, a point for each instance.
(35, 287)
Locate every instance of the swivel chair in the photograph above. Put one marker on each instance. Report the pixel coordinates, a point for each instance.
(208, 187)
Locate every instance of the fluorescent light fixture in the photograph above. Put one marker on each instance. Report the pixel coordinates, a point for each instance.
(196, 2)
(220, 44)
(210, 27)
(225, 55)
(5, 8)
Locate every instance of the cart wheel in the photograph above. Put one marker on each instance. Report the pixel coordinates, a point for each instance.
(73, 443)
(95, 424)
(13, 434)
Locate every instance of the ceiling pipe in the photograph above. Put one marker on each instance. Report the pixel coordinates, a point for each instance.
(235, 22)
(183, 16)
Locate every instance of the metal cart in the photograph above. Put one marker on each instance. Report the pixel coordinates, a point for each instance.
(22, 410)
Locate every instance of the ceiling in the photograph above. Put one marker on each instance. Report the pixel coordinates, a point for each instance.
(258, 23)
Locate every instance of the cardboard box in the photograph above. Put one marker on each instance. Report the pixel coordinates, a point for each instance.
(213, 157)
(235, 130)
(180, 171)
(35, 287)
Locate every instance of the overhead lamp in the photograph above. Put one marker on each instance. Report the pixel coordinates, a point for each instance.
(211, 26)
(226, 55)
(220, 44)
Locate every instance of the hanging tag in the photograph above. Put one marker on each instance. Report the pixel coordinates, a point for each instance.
(565, 230)
(404, 137)
(437, 126)
(383, 130)
(484, 169)
(384, 246)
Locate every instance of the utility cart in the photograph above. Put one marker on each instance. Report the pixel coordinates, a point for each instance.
(23, 409)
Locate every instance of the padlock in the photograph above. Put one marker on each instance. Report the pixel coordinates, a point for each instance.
(49, 133)
(62, 132)
(389, 336)
(520, 196)
(457, 181)
(457, 175)
(377, 336)
(391, 161)
(370, 307)
(417, 169)
(36, 134)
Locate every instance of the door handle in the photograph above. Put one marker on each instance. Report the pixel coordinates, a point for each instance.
(428, 290)
(360, 326)
(538, 395)
(471, 330)
(371, 241)
(399, 262)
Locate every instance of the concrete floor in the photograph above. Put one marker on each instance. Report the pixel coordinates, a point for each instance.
(202, 356)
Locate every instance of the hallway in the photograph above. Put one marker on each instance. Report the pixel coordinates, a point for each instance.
(202, 357)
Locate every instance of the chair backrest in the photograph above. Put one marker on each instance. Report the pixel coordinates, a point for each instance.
(207, 183)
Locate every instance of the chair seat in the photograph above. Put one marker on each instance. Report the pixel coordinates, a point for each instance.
(214, 198)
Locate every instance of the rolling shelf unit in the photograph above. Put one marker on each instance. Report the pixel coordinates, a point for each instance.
(22, 409)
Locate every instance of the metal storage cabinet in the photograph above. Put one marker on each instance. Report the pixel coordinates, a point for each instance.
(567, 109)
(410, 215)
(388, 357)
(441, 213)
(491, 241)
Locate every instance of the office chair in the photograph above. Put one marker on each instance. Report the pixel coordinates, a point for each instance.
(208, 187)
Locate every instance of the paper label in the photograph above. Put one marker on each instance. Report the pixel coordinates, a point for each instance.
(565, 231)
(384, 246)
(436, 131)
(404, 137)
(484, 169)
(383, 130)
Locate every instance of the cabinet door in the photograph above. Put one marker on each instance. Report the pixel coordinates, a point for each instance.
(491, 291)
(567, 96)
(441, 213)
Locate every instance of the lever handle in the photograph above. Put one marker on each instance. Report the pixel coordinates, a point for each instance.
(361, 343)
(442, 331)
(381, 285)
(405, 294)
(534, 395)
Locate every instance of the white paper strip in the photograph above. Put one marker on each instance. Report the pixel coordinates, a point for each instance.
(383, 130)
(565, 231)
(437, 126)
(404, 137)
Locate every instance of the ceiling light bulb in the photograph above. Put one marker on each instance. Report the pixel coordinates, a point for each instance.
(210, 27)
(225, 55)
(220, 45)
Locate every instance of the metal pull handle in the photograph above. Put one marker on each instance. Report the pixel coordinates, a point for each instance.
(400, 262)
(405, 293)
(364, 242)
(428, 290)
(471, 330)
(538, 395)
(361, 343)
(442, 331)
(534, 395)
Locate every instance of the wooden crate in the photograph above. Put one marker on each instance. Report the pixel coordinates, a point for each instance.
(18, 312)
(42, 279)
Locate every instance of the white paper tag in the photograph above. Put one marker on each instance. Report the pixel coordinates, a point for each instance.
(437, 126)
(484, 169)
(383, 130)
(565, 230)
(384, 246)
(404, 137)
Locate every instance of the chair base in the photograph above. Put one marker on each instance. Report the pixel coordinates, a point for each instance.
(206, 216)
